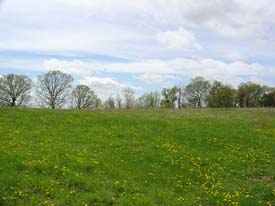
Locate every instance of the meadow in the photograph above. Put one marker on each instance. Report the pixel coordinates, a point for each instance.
(137, 158)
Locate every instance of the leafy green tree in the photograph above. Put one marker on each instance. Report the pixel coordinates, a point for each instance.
(197, 91)
(250, 94)
(221, 95)
(169, 97)
(268, 99)
(14, 89)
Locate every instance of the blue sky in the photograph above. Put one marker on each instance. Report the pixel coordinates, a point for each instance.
(145, 44)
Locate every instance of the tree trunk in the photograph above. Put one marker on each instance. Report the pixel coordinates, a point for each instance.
(179, 99)
(53, 106)
(13, 103)
(199, 103)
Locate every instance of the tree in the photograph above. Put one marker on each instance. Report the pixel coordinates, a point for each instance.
(110, 103)
(197, 91)
(180, 97)
(53, 87)
(250, 94)
(150, 100)
(14, 89)
(118, 101)
(268, 99)
(129, 98)
(98, 103)
(221, 95)
(169, 97)
(83, 97)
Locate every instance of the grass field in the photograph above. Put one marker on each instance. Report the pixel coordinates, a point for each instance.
(137, 158)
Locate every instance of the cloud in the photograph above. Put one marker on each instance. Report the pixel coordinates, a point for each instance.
(110, 78)
(134, 29)
(76, 67)
(151, 78)
(179, 39)
(229, 18)
(104, 87)
(163, 41)
(157, 71)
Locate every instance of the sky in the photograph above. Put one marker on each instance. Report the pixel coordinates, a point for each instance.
(144, 44)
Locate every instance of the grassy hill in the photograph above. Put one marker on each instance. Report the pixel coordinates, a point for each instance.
(137, 158)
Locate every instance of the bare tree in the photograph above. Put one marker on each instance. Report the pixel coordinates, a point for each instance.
(110, 103)
(98, 103)
(180, 97)
(129, 97)
(84, 97)
(150, 100)
(53, 88)
(14, 89)
(118, 101)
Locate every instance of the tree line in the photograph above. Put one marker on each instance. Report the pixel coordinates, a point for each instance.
(55, 89)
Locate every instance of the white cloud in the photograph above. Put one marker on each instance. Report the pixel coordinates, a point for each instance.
(20, 64)
(157, 71)
(152, 78)
(229, 18)
(162, 39)
(154, 72)
(75, 67)
(104, 87)
(179, 39)
(129, 28)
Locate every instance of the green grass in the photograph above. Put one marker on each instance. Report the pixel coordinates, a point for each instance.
(137, 158)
